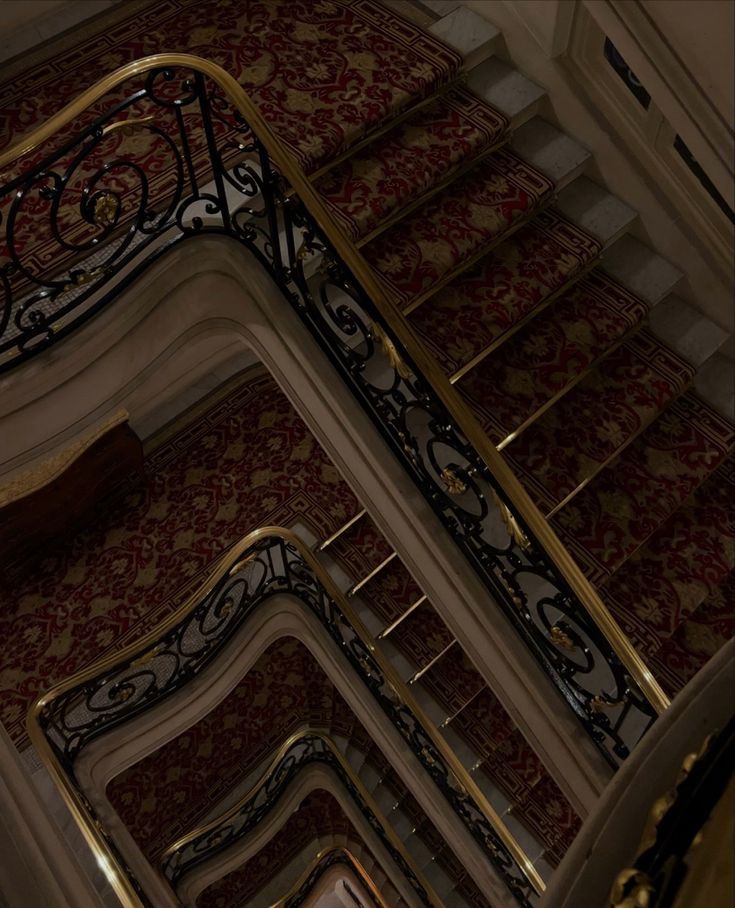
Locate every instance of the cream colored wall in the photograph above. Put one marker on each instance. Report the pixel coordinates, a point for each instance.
(528, 27)
(702, 34)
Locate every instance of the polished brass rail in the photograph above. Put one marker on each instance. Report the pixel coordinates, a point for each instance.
(373, 287)
(348, 252)
(349, 859)
(228, 564)
(232, 812)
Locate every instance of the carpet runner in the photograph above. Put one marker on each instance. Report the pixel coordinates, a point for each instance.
(500, 288)
(451, 679)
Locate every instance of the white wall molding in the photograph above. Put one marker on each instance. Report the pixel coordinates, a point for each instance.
(190, 313)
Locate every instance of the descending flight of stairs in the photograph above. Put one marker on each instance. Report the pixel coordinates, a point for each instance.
(604, 390)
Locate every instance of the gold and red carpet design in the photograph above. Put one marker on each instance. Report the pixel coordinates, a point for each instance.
(322, 73)
(244, 461)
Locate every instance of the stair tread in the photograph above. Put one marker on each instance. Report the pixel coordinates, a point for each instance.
(640, 269)
(361, 548)
(507, 89)
(453, 680)
(698, 639)
(597, 418)
(664, 583)
(595, 209)
(391, 592)
(629, 500)
(466, 32)
(409, 159)
(543, 358)
(444, 234)
(422, 635)
(554, 153)
(483, 304)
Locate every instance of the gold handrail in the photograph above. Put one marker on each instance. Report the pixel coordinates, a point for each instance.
(458, 409)
(347, 769)
(227, 564)
(354, 863)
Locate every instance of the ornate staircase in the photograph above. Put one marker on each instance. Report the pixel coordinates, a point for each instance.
(512, 273)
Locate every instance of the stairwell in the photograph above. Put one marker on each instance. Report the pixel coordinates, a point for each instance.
(609, 395)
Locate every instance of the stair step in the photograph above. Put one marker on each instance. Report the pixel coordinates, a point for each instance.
(690, 555)
(507, 90)
(472, 315)
(355, 756)
(468, 33)
(596, 210)
(698, 639)
(555, 154)
(464, 753)
(418, 849)
(644, 272)
(556, 349)
(400, 663)
(688, 332)
(385, 799)
(439, 8)
(575, 439)
(628, 501)
(409, 160)
(458, 226)
(422, 636)
(452, 680)
(369, 776)
(715, 383)
(440, 880)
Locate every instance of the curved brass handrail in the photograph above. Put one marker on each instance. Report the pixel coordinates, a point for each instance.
(231, 563)
(366, 277)
(232, 811)
(349, 859)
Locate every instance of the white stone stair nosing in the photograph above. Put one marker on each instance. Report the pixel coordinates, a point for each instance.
(551, 151)
(439, 8)
(399, 662)
(401, 824)
(342, 743)
(368, 617)
(439, 879)
(369, 776)
(464, 753)
(596, 210)
(640, 269)
(507, 90)
(498, 801)
(418, 849)
(715, 383)
(384, 798)
(468, 33)
(686, 331)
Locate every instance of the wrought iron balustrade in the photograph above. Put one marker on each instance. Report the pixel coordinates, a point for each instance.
(303, 750)
(230, 175)
(269, 562)
(335, 857)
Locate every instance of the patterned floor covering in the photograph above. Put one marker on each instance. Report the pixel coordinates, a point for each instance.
(549, 352)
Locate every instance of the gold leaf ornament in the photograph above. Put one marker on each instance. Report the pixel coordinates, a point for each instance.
(105, 209)
(389, 348)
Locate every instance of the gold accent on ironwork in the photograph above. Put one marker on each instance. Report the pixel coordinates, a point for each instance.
(127, 127)
(358, 868)
(454, 485)
(36, 477)
(105, 209)
(511, 524)
(621, 895)
(242, 563)
(396, 690)
(122, 693)
(147, 657)
(561, 638)
(231, 812)
(389, 348)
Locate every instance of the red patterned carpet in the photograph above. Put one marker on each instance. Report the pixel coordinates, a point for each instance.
(232, 470)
